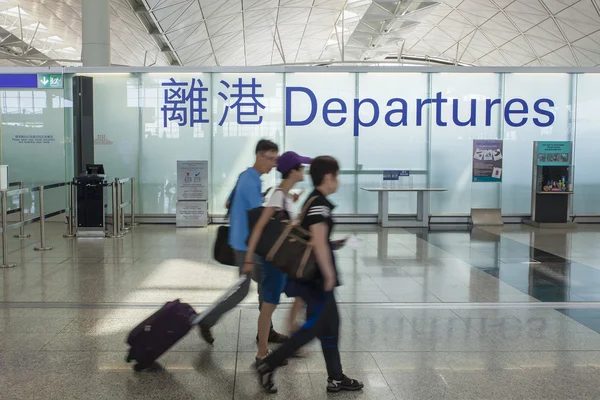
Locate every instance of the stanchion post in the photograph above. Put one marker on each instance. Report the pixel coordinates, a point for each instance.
(122, 210)
(72, 193)
(115, 209)
(42, 246)
(22, 234)
(5, 263)
(132, 222)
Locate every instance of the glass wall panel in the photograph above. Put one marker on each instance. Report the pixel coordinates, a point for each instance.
(117, 127)
(455, 123)
(246, 108)
(330, 134)
(530, 92)
(394, 141)
(587, 188)
(33, 143)
(174, 126)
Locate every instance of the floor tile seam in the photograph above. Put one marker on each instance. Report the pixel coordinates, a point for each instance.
(237, 352)
(516, 305)
(383, 291)
(56, 335)
(309, 351)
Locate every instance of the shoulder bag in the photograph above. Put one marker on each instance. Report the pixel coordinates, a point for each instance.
(292, 251)
(274, 228)
(222, 251)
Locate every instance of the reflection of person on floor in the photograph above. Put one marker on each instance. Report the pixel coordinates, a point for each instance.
(291, 166)
(323, 319)
(245, 196)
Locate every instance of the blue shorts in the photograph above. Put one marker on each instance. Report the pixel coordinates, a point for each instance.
(273, 283)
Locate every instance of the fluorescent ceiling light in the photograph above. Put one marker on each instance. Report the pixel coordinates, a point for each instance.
(14, 12)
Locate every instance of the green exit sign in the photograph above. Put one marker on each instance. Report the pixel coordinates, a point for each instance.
(49, 81)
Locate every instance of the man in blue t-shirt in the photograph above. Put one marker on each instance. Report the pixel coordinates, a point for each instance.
(245, 196)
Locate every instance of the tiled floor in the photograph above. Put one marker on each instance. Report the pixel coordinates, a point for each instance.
(481, 314)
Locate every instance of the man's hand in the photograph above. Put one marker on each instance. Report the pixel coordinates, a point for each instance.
(248, 267)
(296, 197)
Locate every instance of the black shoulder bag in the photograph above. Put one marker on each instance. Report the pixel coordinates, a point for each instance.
(222, 251)
(279, 220)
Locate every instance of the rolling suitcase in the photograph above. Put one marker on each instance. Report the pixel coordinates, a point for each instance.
(159, 332)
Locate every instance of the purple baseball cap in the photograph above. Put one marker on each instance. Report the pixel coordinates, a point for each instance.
(289, 160)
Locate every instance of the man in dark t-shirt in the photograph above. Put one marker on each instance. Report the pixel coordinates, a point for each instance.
(323, 320)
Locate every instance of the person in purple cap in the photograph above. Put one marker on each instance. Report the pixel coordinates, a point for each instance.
(291, 167)
(323, 318)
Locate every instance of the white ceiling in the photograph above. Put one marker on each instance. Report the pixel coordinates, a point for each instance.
(58, 35)
(265, 32)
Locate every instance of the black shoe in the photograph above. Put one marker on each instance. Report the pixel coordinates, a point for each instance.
(275, 337)
(334, 385)
(265, 376)
(206, 334)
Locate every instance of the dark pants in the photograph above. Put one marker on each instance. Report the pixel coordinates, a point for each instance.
(323, 322)
(236, 298)
(239, 295)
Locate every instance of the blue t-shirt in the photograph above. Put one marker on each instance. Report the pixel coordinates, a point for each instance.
(247, 196)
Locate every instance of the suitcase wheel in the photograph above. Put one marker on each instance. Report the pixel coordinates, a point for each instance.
(139, 367)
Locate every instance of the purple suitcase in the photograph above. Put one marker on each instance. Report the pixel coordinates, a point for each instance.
(158, 333)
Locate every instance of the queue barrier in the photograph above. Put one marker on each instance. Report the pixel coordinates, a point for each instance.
(20, 210)
(5, 194)
(118, 206)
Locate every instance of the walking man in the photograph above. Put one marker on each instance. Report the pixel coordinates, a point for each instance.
(246, 195)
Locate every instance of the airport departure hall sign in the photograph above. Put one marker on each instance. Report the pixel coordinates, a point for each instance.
(186, 103)
(31, 81)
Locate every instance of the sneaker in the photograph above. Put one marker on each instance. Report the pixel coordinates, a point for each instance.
(265, 377)
(206, 334)
(334, 385)
(275, 337)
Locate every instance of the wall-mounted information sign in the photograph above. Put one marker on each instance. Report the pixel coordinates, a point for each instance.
(31, 81)
(487, 160)
(554, 154)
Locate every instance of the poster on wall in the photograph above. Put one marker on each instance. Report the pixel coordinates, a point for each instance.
(487, 160)
(554, 153)
(191, 214)
(192, 180)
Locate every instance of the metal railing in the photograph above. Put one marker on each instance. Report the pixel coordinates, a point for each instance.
(119, 206)
(5, 194)
(20, 210)
(71, 218)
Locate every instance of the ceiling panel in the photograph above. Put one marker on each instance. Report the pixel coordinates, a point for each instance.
(257, 32)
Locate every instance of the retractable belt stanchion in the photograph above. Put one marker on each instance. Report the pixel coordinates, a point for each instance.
(115, 209)
(72, 194)
(42, 246)
(22, 234)
(122, 209)
(132, 222)
(5, 263)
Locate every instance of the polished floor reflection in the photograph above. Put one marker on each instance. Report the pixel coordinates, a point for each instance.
(455, 314)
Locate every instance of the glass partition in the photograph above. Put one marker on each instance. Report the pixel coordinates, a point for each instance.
(33, 143)
(424, 122)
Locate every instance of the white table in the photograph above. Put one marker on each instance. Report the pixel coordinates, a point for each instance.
(422, 219)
